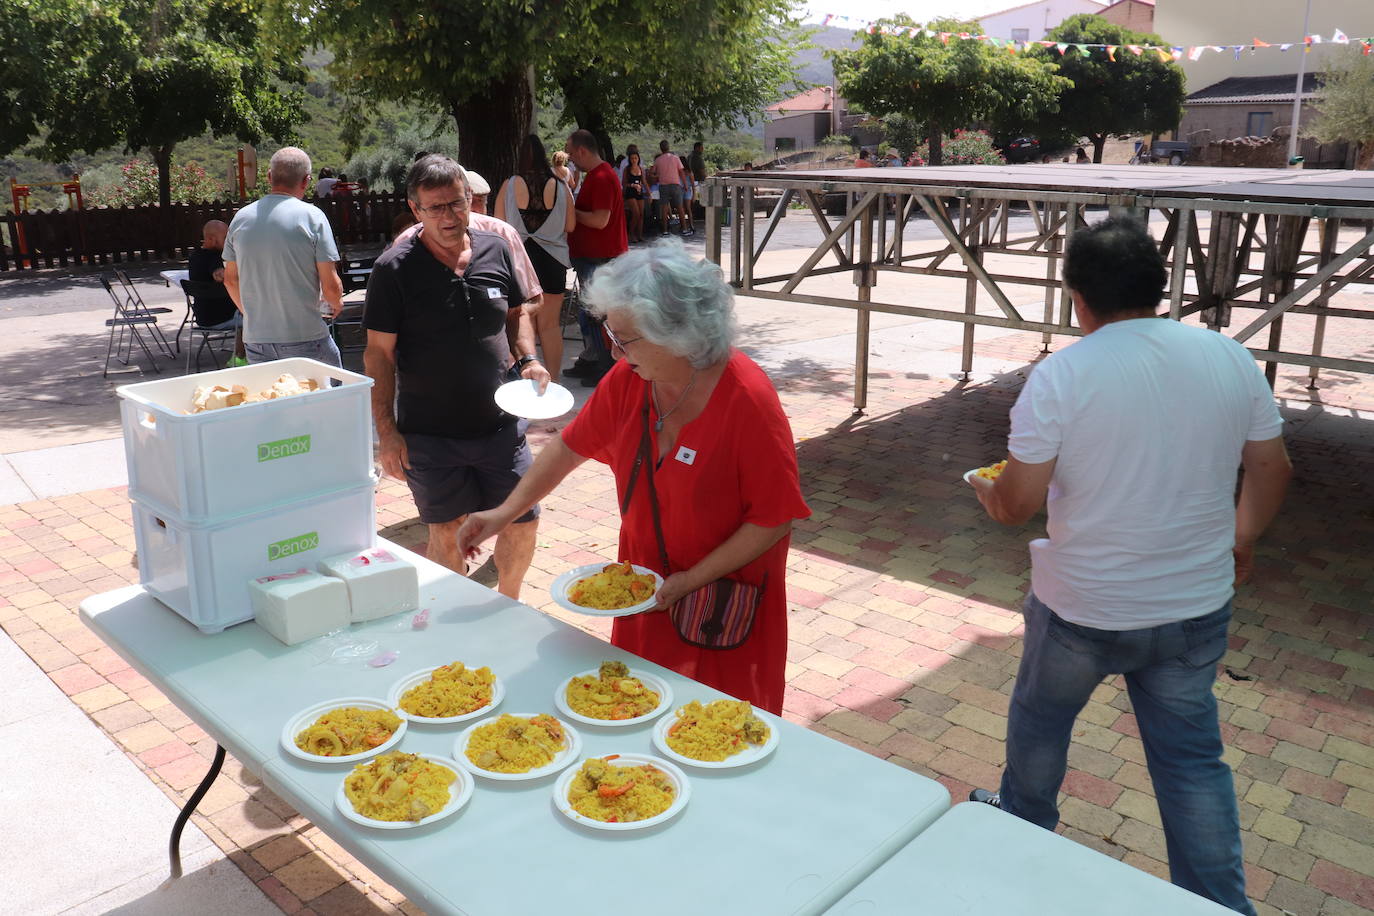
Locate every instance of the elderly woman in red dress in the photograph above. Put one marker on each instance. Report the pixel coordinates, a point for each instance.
(725, 466)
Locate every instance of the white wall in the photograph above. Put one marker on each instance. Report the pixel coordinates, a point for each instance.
(1036, 18)
(1231, 22)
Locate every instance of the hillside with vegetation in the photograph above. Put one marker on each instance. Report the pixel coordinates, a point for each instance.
(383, 147)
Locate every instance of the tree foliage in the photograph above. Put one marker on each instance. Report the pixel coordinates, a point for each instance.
(616, 63)
(1131, 94)
(1345, 104)
(945, 84)
(77, 75)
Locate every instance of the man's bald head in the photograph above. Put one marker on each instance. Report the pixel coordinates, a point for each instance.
(213, 233)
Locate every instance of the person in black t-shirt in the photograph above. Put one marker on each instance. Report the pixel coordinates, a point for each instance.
(206, 265)
(445, 324)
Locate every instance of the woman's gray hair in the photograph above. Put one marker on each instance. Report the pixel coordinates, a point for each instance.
(677, 302)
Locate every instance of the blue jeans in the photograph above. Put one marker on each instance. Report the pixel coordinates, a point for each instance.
(594, 349)
(1169, 673)
(324, 350)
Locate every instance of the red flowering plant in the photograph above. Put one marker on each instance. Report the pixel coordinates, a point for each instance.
(137, 186)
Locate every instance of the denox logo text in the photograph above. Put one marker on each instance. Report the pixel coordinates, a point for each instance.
(298, 544)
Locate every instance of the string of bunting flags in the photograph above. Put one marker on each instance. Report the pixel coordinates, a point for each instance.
(1165, 53)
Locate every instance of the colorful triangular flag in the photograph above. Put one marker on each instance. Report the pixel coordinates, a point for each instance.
(1339, 38)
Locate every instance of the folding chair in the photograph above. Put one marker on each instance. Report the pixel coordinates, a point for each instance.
(198, 295)
(127, 326)
(137, 308)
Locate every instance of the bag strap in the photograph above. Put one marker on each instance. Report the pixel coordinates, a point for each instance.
(644, 459)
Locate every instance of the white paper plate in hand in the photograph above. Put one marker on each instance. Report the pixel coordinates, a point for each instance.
(522, 399)
(572, 751)
(415, 678)
(970, 474)
(558, 591)
(752, 753)
(653, 682)
(459, 793)
(682, 790)
(306, 717)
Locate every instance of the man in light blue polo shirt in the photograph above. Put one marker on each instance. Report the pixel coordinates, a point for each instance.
(279, 265)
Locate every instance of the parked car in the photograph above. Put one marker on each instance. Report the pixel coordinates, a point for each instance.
(1174, 152)
(1022, 149)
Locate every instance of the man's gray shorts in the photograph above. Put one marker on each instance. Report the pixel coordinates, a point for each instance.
(670, 194)
(324, 350)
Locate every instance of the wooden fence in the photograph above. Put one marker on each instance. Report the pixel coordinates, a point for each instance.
(107, 235)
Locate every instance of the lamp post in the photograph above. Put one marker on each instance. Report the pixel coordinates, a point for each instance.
(1297, 92)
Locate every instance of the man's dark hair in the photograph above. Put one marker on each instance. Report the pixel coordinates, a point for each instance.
(586, 140)
(435, 171)
(698, 145)
(663, 146)
(1116, 267)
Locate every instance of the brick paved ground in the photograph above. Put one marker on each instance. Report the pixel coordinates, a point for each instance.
(904, 641)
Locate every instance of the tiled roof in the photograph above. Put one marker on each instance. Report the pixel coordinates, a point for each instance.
(1253, 89)
(815, 99)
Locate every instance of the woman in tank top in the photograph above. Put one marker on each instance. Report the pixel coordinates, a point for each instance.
(538, 204)
(636, 193)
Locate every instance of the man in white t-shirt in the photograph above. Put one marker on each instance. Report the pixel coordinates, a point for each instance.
(1131, 438)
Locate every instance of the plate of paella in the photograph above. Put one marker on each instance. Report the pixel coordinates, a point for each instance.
(717, 735)
(345, 730)
(991, 472)
(517, 746)
(621, 792)
(613, 695)
(607, 589)
(397, 791)
(447, 694)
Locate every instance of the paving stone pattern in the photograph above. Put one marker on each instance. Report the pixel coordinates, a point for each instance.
(905, 638)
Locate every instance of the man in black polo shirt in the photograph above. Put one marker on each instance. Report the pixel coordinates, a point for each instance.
(444, 317)
(206, 265)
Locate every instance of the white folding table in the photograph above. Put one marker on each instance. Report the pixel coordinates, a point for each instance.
(976, 860)
(789, 834)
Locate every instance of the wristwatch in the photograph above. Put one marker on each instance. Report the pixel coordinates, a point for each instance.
(524, 361)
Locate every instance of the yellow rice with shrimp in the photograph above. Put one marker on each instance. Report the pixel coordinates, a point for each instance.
(514, 744)
(452, 690)
(992, 471)
(603, 791)
(616, 586)
(399, 787)
(611, 695)
(348, 730)
(716, 731)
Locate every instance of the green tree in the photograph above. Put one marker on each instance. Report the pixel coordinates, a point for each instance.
(147, 73)
(676, 69)
(1131, 94)
(944, 85)
(624, 62)
(1345, 105)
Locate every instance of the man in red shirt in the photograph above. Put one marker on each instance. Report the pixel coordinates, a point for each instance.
(598, 237)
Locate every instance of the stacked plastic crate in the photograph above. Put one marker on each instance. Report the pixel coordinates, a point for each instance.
(265, 488)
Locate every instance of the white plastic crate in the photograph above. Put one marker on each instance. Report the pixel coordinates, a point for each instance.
(202, 571)
(209, 467)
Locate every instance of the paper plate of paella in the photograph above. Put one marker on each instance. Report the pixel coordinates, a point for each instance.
(607, 589)
(717, 735)
(447, 694)
(613, 695)
(621, 792)
(516, 746)
(397, 791)
(345, 730)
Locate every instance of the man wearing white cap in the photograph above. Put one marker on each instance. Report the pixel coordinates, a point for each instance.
(480, 190)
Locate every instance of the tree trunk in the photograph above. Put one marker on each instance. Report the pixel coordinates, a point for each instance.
(937, 152)
(587, 115)
(1364, 159)
(492, 124)
(162, 157)
(1099, 141)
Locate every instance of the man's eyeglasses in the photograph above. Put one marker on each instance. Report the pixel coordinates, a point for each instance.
(438, 210)
(617, 342)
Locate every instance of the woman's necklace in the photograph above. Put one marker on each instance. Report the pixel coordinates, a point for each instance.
(663, 415)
